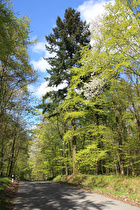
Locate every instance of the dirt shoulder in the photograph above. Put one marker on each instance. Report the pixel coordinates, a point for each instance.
(10, 194)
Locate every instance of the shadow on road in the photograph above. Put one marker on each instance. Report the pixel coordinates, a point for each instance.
(48, 195)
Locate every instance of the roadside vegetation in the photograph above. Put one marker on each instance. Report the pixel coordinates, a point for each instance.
(8, 190)
(4, 200)
(126, 189)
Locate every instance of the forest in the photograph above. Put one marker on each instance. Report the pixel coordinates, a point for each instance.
(92, 124)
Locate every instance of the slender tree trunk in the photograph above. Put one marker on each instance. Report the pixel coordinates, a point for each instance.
(116, 169)
(66, 170)
(3, 143)
(96, 171)
(119, 137)
(137, 116)
(74, 147)
(12, 156)
(74, 157)
(128, 170)
(132, 168)
(66, 156)
(1, 162)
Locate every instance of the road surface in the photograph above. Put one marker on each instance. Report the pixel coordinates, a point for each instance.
(52, 196)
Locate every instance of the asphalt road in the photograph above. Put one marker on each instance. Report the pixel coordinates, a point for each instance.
(48, 195)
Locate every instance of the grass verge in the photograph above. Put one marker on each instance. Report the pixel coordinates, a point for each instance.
(7, 193)
(126, 189)
(4, 183)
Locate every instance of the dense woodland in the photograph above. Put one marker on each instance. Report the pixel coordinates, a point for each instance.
(15, 76)
(92, 125)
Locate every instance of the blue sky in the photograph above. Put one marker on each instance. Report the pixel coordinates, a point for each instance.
(43, 15)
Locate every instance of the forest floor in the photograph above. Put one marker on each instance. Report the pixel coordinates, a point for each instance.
(125, 189)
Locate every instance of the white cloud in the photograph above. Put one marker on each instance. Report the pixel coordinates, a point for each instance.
(31, 88)
(43, 89)
(39, 47)
(40, 65)
(91, 9)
